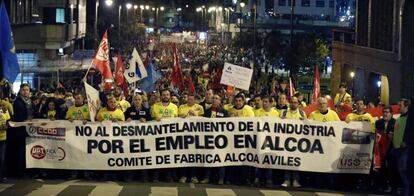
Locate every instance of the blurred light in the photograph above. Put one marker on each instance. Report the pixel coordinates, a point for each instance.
(142, 7)
(179, 9)
(135, 7)
(198, 9)
(379, 84)
(242, 4)
(186, 6)
(128, 6)
(153, 9)
(71, 6)
(222, 24)
(147, 7)
(220, 8)
(162, 8)
(202, 35)
(352, 74)
(203, 6)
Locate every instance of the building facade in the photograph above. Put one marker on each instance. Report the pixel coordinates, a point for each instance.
(377, 51)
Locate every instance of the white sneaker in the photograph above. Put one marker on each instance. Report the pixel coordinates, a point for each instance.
(286, 183)
(296, 184)
(194, 180)
(183, 180)
(205, 181)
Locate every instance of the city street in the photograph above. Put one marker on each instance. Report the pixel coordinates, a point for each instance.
(79, 188)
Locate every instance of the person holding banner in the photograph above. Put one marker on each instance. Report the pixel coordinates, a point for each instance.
(266, 110)
(215, 111)
(138, 111)
(164, 109)
(120, 100)
(79, 111)
(240, 109)
(23, 111)
(4, 117)
(208, 99)
(293, 112)
(187, 110)
(300, 98)
(111, 112)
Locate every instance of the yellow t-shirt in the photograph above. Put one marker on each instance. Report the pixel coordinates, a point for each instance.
(362, 117)
(303, 104)
(245, 111)
(261, 112)
(294, 114)
(3, 119)
(184, 109)
(123, 104)
(228, 107)
(330, 116)
(255, 110)
(160, 111)
(51, 114)
(104, 114)
(78, 113)
(342, 98)
(8, 105)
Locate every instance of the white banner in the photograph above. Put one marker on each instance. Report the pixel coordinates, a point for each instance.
(334, 147)
(239, 77)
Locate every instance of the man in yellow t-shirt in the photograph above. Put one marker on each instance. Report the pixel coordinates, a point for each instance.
(267, 109)
(360, 115)
(294, 111)
(110, 112)
(323, 114)
(240, 109)
(342, 97)
(4, 117)
(190, 108)
(79, 111)
(258, 104)
(164, 109)
(120, 100)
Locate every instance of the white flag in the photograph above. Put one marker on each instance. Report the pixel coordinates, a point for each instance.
(135, 69)
(93, 100)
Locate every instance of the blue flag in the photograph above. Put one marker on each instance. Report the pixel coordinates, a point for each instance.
(148, 84)
(9, 62)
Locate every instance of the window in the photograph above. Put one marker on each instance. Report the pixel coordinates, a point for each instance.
(282, 3)
(60, 15)
(320, 3)
(331, 4)
(290, 3)
(305, 3)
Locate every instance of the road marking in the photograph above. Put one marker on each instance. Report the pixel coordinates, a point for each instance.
(5, 186)
(107, 190)
(328, 194)
(220, 192)
(48, 189)
(272, 193)
(164, 191)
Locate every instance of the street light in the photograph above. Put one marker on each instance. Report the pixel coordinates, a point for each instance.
(141, 7)
(162, 8)
(352, 74)
(153, 9)
(128, 6)
(242, 4)
(109, 2)
(135, 7)
(147, 7)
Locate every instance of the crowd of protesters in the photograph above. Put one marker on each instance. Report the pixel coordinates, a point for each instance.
(211, 100)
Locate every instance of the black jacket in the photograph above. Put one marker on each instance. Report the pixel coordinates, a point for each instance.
(380, 126)
(220, 113)
(20, 111)
(135, 114)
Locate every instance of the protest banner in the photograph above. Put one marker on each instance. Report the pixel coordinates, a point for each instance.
(239, 77)
(265, 142)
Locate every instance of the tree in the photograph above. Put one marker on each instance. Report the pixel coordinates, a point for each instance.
(306, 51)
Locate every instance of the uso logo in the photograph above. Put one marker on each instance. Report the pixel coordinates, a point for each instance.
(38, 152)
(57, 132)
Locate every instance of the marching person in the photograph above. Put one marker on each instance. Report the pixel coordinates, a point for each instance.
(282, 103)
(266, 110)
(402, 143)
(293, 112)
(208, 99)
(164, 109)
(111, 112)
(137, 112)
(187, 110)
(215, 111)
(257, 103)
(4, 117)
(79, 111)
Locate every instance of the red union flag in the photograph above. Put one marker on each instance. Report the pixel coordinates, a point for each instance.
(316, 85)
(177, 76)
(119, 71)
(101, 60)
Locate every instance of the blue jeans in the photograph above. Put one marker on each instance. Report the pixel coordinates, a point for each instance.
(402, 161)
(2, 158)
